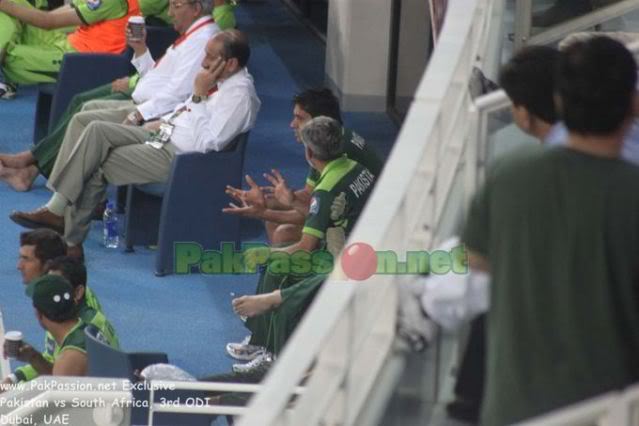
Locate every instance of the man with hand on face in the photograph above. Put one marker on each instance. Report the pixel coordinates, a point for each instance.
(285, 211)
(223, 105)
(162, 85)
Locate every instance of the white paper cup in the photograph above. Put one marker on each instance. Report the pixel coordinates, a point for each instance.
(13, 341)
(136, 26)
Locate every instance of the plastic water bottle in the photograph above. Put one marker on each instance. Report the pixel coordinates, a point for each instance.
(110, 221)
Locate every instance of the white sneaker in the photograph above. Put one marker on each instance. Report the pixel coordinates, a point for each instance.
(243, 351)
(261, 363)
(7, 91)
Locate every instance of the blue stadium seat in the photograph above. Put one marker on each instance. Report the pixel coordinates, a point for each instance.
(188, 208)
(84, 71)
(104, 361)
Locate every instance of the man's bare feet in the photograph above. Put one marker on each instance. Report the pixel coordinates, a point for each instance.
(251, 306)
(19, 179)
(19, 160)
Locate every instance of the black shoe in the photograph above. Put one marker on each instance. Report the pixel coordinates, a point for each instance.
(561, 11)
(463, 410)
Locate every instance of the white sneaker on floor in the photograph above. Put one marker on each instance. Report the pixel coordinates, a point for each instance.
(261, 363)
(243, 351)
(7, 91)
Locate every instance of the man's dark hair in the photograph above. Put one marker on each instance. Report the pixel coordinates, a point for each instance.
(595, 83)
(59, 317)
(236, 45)
(528, 80)
(48, 244)
(318, 102)
(70, 268)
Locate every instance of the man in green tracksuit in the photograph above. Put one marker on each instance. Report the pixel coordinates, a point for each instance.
(57, 313)
(336, 202)
(33, 41)
(89, 310)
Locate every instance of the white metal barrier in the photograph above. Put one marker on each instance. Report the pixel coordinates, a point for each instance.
(5, 367)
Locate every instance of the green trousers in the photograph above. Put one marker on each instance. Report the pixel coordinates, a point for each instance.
(267, 283)
(272, 329)
(296, 300)
(46, 150)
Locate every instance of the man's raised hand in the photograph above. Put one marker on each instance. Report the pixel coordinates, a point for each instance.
(280, 189)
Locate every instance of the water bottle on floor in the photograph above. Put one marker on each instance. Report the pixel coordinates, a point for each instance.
(110, 221)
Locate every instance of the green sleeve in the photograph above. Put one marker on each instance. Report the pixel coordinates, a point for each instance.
(224, 16)
(312, 177)
(156, 8)
(107, 332)
(92, 300)
(26, 373)
(92, 11)
(318, 219)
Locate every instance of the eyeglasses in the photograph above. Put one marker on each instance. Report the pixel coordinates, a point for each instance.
(179, 4)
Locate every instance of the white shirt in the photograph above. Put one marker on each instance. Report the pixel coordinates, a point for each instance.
(453, 299)
(211, 125)
(168, 82)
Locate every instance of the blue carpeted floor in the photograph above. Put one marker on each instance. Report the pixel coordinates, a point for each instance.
(190, 317)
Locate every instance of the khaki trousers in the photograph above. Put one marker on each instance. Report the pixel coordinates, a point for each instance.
(103, 153)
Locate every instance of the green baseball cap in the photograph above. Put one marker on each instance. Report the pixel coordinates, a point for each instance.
(51, 294)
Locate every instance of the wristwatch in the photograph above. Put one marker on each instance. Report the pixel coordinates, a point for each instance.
(135, 117)
(197, 99)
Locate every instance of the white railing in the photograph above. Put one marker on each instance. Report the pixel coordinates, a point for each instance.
(5, 367)
(611, 409)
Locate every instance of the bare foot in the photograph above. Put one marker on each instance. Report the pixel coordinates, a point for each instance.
(19, 179)
(17, 161)
(251, 306)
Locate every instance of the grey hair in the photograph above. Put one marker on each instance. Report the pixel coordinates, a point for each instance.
(323, 136)
(207, 6)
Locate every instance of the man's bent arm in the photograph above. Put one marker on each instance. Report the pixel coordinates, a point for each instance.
(64, 16)
(41, 365)
(283, 216)
(71, 362)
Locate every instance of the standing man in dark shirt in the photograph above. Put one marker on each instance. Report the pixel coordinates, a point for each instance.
(558, 229)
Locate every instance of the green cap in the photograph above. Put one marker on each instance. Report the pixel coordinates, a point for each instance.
(51, 294)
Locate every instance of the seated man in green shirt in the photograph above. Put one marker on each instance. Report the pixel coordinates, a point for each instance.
(336, 202)
(285, 218)
(557, 228)
(43, 251)
(57, 313)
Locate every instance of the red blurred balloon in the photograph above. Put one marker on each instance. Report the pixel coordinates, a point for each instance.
(359, 261)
